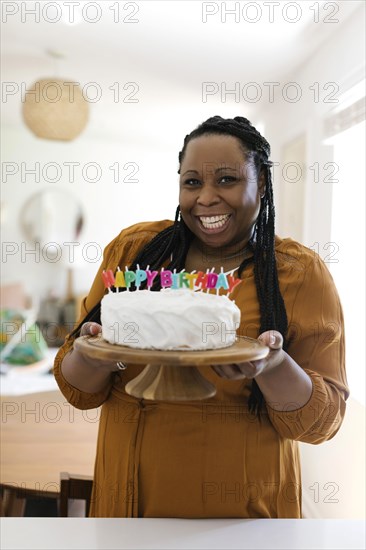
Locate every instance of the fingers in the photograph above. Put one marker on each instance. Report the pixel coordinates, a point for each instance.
(271, 338)
(250, 369)
(274, 340)
(90, 329)
(217, 369)
(238, 371)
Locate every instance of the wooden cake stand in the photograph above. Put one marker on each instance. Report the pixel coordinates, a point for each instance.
(162, 378)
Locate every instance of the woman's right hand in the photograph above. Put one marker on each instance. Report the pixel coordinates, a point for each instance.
(93, 329)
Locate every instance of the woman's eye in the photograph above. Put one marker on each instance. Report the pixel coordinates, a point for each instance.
(227, 179)
(191, 182)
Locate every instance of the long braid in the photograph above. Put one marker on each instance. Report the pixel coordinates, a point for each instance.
(173, 242)
(271, 305)
(272, 308)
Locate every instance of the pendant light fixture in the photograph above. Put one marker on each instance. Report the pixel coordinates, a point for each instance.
(55, 108)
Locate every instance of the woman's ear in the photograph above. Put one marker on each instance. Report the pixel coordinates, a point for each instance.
(262, 184)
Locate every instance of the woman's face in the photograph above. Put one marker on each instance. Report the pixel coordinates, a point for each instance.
(220, 192)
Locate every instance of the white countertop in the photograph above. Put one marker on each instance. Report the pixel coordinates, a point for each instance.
(160, 533)
(23, 380)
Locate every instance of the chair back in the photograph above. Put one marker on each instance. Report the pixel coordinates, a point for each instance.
(74, 487)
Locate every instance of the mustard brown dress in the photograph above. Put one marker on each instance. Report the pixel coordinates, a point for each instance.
(212, 458)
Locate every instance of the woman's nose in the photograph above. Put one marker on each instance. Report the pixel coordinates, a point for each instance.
(208, 196)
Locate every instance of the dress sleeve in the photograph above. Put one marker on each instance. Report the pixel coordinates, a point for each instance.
(316, 343)
(77, 398)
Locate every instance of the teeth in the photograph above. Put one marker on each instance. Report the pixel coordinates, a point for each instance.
(213, 222)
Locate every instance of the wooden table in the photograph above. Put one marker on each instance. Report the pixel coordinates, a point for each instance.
(41, 436)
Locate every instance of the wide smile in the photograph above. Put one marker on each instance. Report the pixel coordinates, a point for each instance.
(214, 224)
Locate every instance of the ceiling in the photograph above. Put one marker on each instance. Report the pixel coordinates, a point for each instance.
(168, 52)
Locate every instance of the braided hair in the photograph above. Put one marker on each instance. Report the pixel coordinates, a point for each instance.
(173, 242)
(271, 305)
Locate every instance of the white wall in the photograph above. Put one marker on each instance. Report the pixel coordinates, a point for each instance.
(333, 473)
(108, 206)
(341, 60)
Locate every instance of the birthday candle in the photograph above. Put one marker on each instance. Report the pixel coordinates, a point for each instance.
(140, 276)
(147, 274)
(212, 279)
(117, 284)
(191, 277)
(183, 282)
(108, 279)
(233, 282)
(166, 278)
(127, 287)
(150, 277)
(222, 281)
(120, 280)
(208, 272)
(175, 280)
(200, 280)
(217, 286)
(130, 277)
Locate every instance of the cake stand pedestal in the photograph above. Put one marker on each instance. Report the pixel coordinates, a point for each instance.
(171, 375)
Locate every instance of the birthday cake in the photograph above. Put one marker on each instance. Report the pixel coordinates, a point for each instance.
(171, 319)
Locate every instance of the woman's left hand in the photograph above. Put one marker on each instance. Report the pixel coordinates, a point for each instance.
(271, 338)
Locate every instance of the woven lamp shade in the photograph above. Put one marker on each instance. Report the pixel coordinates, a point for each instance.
(55, 109)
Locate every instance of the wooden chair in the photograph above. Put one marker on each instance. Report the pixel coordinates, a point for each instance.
(14, 500)
(74, 487)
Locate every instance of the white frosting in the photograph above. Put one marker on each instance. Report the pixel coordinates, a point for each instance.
(169, 319)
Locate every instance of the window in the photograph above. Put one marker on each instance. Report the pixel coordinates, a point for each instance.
(348, 236)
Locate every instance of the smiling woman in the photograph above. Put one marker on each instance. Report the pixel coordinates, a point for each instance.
(220, 192)
(234, 454)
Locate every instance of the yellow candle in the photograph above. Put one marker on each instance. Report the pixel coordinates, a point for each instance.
(120, 279)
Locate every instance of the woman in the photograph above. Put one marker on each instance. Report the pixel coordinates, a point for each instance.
(236, 454)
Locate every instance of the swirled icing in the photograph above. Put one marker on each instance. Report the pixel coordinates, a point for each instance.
(169, 319)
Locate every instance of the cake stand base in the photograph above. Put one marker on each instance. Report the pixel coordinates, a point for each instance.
(167, 383)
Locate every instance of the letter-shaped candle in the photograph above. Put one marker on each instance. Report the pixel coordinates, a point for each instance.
(191, 277)
(120, 280)
(140, 277)
(130, 277)
(166, 278)
(212, 280)
(183, 281)
(175, 279)
(222, 281)
(201, 279)
(108, 278)
(233, 282)
(150, 277)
